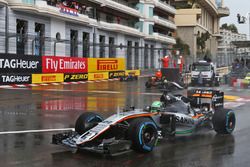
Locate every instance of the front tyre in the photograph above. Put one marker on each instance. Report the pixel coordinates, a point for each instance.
(87, 121)
(143, 134)
(224, 121)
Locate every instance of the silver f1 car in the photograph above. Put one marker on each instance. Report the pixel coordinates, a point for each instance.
(140, 130)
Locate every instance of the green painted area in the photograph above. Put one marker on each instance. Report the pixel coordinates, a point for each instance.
(184, 132)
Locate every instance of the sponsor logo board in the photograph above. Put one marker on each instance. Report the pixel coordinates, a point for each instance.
(52, 64)
(98, 76)
(47, 78)
(6, 79)
(105, 64)
(75, 77)
(135, 72)
(116, 74)
(18, 64)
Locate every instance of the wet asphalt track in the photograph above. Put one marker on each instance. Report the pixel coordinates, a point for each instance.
(53, 107)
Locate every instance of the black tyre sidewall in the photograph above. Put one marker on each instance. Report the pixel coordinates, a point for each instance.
(221, 120)
(85, 122)
(136, 134)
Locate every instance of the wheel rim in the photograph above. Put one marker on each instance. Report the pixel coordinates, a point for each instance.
(230, 122)
(148, 135)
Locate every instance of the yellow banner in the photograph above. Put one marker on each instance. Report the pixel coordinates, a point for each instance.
(47, 78)
(105, 64)
(136, 72)
(98, 76)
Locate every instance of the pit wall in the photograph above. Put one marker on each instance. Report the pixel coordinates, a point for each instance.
(26, 69)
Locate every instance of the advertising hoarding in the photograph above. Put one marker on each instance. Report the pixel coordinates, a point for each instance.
(75, 77)
(6, 79)
(47, 78)
(116, 74)
(20, 64)
(98, 76)
(136, 72)
(52, 64)
(105, 64)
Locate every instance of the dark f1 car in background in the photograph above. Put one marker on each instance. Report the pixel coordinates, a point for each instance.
(139, 130)
(168, 79)
(130, 77)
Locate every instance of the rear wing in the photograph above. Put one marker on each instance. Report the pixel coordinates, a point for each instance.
(216, 96)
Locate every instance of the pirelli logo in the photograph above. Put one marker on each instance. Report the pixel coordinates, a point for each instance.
(107, 64)
(98, 76)
(48, 78)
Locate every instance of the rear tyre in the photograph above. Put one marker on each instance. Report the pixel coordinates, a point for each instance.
(87, 121)
(224, 121)
(143, 134)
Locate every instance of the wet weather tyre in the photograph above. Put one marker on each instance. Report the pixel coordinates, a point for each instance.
(148, 85)
(224, 121)
(87, 121)
(143, 134)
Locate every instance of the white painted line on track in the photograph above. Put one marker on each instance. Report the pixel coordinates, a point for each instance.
(59, 90)
(150, 93)
(112, 92)
(95, 91)
(233, 104)
(18, 88)
(82, 82)
(243, 100)
(35, 131)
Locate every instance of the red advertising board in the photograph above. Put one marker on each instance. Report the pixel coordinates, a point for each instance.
(55, 64)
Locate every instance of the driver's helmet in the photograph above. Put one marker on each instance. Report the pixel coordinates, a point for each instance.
(158, 74)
